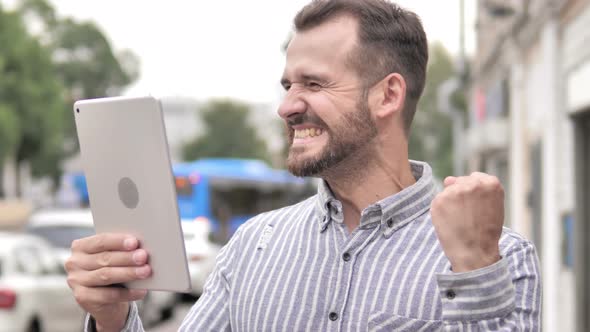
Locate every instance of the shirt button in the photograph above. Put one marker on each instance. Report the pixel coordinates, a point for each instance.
(346, 257)
(450, 294)
(390, 223)
(333, 316)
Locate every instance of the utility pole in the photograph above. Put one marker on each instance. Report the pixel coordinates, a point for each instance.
(462, 55)
(445, 93)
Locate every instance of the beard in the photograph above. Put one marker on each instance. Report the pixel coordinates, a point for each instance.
(353, 133)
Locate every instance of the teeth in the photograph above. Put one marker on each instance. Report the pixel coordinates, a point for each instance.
(309, 132)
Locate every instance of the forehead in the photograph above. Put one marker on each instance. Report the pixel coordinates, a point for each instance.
(323, 49)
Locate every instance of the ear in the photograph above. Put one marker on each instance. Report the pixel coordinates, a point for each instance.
(390, 95)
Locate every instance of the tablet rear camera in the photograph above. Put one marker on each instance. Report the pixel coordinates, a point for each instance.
(77, 110)
(128, 193)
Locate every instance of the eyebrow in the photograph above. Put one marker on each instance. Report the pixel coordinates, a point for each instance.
(305, 78)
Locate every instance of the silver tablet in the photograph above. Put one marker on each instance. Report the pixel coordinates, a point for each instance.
(130, 182)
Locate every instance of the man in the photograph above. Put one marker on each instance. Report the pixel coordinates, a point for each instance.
(376, 249)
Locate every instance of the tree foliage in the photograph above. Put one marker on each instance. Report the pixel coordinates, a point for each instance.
(431, 137)
(42, 72)
(83, 58)
(228, 134)
(31, 98)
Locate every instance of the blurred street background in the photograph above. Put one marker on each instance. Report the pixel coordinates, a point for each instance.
(508, 93)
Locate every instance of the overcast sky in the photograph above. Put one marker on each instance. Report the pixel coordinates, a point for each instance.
(228, 48)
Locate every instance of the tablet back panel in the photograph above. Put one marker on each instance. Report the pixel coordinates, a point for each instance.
(130, 182)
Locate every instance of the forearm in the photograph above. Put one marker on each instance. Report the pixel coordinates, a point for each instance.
(131, 324)
(502, 296)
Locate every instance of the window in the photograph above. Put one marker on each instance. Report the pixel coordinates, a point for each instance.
(27, 261)
(184, 187)
(62, 236)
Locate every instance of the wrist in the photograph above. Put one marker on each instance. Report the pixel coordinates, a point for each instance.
(474, 262)
(115, 322)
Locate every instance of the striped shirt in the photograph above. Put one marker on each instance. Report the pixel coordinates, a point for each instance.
(299, 269)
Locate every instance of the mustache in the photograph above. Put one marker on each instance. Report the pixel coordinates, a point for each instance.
(298, 119)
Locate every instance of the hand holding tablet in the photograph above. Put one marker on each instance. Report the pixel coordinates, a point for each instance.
(130, 184)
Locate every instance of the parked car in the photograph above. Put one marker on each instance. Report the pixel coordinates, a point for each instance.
(61, 227)
(200, 251)
(34, 294)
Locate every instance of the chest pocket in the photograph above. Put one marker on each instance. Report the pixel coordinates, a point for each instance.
(382, 322)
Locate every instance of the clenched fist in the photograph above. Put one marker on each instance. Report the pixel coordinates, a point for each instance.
(468, 216)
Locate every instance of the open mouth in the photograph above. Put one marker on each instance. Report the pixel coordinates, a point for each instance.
(307, 133)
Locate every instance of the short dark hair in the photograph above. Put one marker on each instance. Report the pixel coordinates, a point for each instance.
(391, 40)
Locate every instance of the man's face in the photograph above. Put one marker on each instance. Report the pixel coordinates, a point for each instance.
(325, 109)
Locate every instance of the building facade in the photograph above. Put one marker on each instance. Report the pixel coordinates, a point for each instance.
(530, 125)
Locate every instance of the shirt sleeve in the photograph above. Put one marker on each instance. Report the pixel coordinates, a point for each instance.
(503, 296)
(211, 311)
(133, 323)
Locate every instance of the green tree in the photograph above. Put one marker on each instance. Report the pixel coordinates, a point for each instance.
(228, 134)
(41, 75)
(431, 137)
(84, 60)
(31, 99)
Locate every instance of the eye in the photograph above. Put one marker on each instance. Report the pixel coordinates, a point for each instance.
(286, 86)
(313, 85)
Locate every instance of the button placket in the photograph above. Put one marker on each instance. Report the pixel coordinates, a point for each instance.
(346, 256)
(333, 316)
(345, 266)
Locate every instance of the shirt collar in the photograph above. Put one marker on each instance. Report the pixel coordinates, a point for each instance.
(392, 212)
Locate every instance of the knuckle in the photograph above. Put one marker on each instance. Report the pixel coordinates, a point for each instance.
(478, 184)
(496, 184)
(436, 202)
(72, 281)
(70, 265)
(464, 191)
(131, 274)
(75, 246)
(79, 296)
(473, 186)
(104, 276)
(437, 205)
(100, 243)
(105, 259)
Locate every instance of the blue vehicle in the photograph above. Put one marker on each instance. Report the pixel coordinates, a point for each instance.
(227, 192)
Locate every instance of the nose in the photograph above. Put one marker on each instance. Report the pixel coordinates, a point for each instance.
(292, 104)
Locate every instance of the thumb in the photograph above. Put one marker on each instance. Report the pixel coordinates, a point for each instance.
(450, 180)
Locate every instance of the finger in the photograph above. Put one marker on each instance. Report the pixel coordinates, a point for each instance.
(92, 262)
(105, 242)
(468, 181)
(108, 295)
(449, 180)
(483, 180)
(479, 175)
(493, 182)
(113, 275)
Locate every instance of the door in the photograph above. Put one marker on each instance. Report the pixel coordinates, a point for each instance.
(65, 314)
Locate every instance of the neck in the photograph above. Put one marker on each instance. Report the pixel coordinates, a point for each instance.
(367, 178)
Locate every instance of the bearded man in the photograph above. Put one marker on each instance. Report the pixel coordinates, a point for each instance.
(377, 249)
